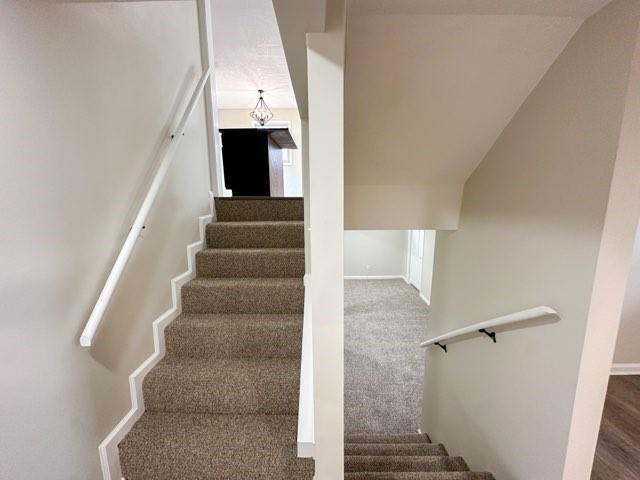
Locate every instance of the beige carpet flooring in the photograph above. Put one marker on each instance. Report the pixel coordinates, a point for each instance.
(385, 320)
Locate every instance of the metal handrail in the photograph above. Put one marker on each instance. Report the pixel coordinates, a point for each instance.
(110, 285)
(483, 327)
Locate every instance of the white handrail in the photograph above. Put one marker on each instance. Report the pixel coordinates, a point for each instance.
(517, 317)
(138, 224)
(306, 428)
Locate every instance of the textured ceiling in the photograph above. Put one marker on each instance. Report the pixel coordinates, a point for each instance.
(552, 8)
(249, 55)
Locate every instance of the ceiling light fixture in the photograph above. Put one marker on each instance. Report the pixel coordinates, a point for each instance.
(261, 112)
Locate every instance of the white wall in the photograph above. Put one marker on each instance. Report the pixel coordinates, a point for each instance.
(400, 207)
(628, 344)
(88, 93)
(375, 252)
(415, 126)
(535, 230)
(238, 118)
(326, 163)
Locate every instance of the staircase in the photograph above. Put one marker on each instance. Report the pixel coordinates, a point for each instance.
(223, 403)
(402, 457)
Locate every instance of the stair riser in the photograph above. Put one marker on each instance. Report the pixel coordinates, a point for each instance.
(243, 299)
(418, 476)
(397, 449)
(404, 464)
(242, 209)
(229, 235)
(391, 438)
(236, 342)
(191, 466)
(198, 447)
(250, 263)
(258, 390)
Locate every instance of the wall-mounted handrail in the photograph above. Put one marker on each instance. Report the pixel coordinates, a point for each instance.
(483, 327)
(138, 224)
(306, 425)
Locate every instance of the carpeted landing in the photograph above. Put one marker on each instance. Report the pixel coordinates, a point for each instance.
(223, 403)
(385, 320)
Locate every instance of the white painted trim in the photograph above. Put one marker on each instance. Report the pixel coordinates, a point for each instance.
(374, 277)
(214, 143)
(424, 299)
(420, 256)
(306, 420)
(408, 259)
(108, 449)
(625, 369)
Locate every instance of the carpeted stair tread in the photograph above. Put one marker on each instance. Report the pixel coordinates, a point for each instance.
(418, 476)
(250, 262)
(276, 234)
(402, 457)
(223, 401)
(243, 295)
(224, 386)
(230, 209)
(384, 463)
(394, 449)
(235, 336)
(387, 438)
(179, 446)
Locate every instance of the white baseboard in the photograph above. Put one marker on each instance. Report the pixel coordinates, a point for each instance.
(424, 299)
(375, 277)
(108, 449)
(625, 369)
(306, 431)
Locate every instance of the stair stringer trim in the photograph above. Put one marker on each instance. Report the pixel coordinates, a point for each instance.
(108, 449)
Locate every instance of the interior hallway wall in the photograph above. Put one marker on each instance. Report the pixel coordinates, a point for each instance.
(88, 92)
(239, 118)
(628, 344)
(375, 253)
(531, 233)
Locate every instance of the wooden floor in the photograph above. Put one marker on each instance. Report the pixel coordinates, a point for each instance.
(618, 451)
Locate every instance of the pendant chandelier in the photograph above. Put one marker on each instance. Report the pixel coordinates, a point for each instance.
(261, 112)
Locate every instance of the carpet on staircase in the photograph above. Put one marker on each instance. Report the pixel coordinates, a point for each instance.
(223, 402)
(402, 457)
